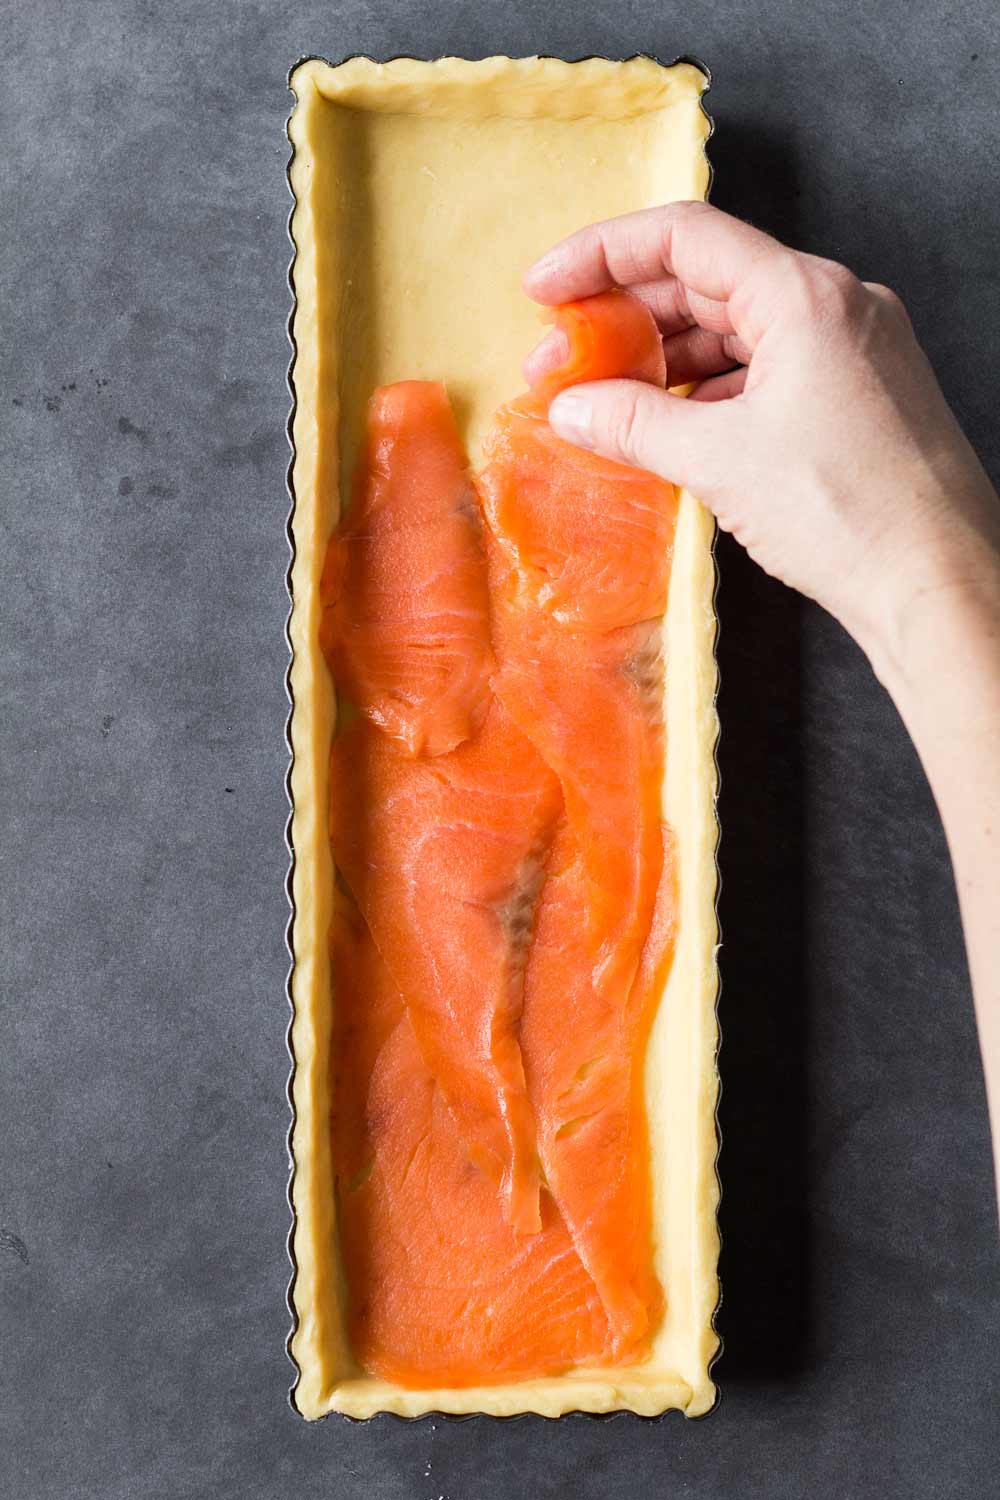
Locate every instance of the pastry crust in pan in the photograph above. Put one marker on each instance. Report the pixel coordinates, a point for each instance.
(421, 191)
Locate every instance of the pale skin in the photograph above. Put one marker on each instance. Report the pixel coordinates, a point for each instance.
(818, 435)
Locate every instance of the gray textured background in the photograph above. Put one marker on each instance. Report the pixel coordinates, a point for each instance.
(142, 910)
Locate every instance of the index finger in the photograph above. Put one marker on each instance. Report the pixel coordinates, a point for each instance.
(708, 251)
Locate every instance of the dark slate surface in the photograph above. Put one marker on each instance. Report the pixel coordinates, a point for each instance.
(142, 909)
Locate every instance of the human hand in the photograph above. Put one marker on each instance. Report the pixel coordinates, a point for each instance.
(829, 452)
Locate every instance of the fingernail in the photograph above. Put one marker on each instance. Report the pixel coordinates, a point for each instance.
(543, 264)
(571, 416)
(548, 354)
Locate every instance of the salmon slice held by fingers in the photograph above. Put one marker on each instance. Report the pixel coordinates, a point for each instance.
(444, 1291)
(444, 857)
(580, 552)
(589, 539)
(405, 609)
(611, 336)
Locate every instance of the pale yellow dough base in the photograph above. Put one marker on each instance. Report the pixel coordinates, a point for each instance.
(422, 190)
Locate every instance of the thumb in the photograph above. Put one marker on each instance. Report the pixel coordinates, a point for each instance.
(639, 424)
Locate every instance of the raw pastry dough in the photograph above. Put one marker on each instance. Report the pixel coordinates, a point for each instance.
(422, 189)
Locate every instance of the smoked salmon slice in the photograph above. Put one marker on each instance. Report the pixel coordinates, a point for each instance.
(584, 1064)
(405, 607)
(589, 707)
(444, 857)
(580, 564)
(580, 552)
(444, 1292)
(608, 337)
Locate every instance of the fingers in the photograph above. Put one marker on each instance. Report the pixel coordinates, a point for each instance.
(692, 354)
(675, 306)
(721, 387)
(890, 299)
(710, 253)
(638, 424)
(548, 354)
(695, 353)
(883, 293)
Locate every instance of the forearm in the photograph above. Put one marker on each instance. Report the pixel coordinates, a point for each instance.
(944, 674)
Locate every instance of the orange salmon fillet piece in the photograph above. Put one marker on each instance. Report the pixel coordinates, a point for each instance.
(583, 1059)
(580, 550)
(608, 337)
(405, 608)
(444, 858)
(443, 1291)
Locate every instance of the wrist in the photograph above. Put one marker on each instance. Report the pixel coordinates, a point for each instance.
(937, 651)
